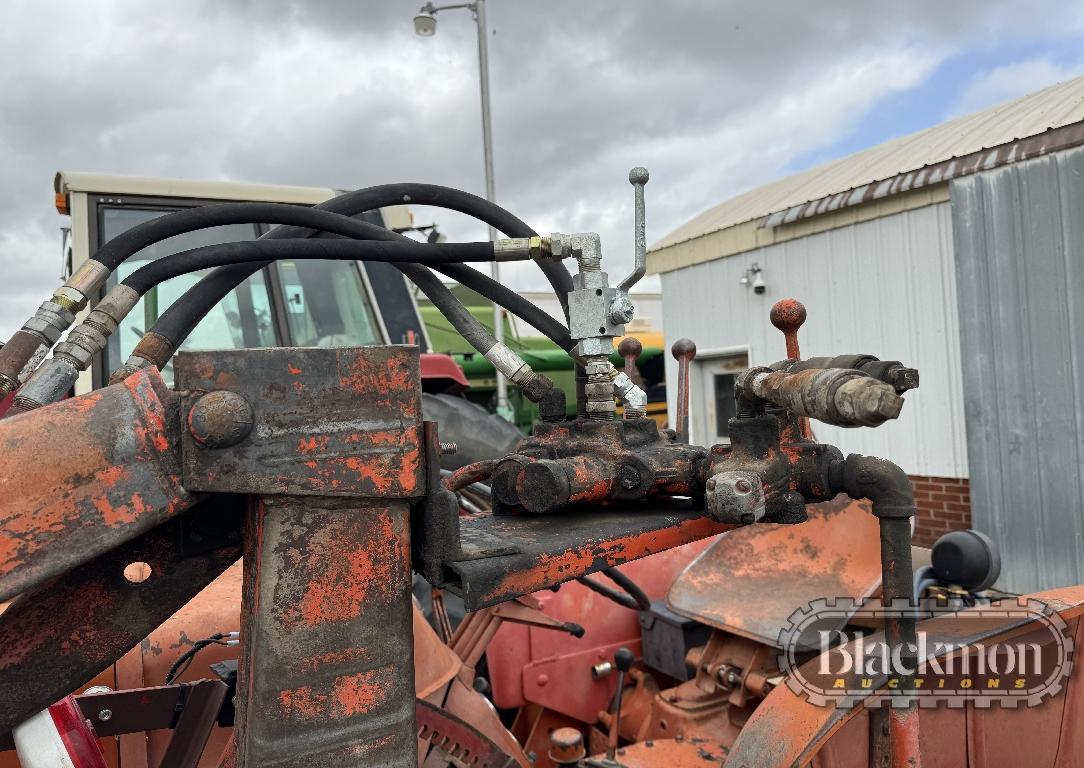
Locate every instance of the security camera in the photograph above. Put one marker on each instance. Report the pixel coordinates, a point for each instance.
(758, 281)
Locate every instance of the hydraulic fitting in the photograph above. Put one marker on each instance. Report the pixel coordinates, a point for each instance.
(29, 346)
(534, 385)
(735, 496)
(77, 352)
(843, 398)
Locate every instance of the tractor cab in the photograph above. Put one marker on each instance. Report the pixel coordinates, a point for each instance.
(287, 303)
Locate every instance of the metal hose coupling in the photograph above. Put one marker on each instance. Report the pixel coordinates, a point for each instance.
(76, 353)
(533, 385)
(153, 350)
(29, 345)
(631, 396)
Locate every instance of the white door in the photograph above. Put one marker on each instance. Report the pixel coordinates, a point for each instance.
(712, 385)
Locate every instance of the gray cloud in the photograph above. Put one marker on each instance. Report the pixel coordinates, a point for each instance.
(713, 97)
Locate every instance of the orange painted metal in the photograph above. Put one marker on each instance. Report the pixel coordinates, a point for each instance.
(327, 652)
(74, 486)
(680, 752)
(751, 580)
(333, 422)
(592, 552)
(518, 655)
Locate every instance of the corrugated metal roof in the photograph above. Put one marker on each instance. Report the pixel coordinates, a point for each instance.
(1053, 107)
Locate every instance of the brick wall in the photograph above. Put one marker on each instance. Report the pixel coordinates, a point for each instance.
(944, 504)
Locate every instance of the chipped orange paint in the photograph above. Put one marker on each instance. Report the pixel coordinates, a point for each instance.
(349, 696)
(293, 369)
(313, 443)
(339, 590)
(592, 556)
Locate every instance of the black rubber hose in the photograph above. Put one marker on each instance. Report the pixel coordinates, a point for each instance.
(643, 602)
(338, 249)
(622, 599)
(197, 301)
(520, 307)
(371, 198)
(124, 245)
(469, 327)
(183, 315)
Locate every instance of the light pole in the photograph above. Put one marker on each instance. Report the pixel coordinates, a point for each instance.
(425, 25)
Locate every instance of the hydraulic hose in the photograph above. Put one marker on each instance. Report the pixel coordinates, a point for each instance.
(260, 251)
(32, 342)
(510, 300)
(369, 199)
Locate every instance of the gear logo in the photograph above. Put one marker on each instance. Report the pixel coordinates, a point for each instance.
(1005, 653)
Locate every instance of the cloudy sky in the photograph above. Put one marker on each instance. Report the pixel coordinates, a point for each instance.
(713, 97)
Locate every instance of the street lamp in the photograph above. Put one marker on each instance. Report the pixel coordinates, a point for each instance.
(425, 25)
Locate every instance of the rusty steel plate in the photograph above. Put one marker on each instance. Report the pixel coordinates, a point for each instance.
(750, 581)
(507, 556)
(327, 422)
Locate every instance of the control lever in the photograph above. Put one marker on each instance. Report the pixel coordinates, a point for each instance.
(623, 659)
(788, 315)
(638, 177)
(683, 351)
(630, 349)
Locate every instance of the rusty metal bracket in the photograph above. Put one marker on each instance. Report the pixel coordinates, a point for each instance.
(331, 442)
(107, 614)
(325, 422)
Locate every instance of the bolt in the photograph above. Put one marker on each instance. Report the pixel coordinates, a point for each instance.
(220, 419)
(742, 486)
(448, 448)
(621, 310)
(628, 477)
(105, 714)
(542, 680)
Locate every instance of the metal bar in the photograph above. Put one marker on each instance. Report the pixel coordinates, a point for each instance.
(326, 671)
(194, 726)
(54, 639)
(901, 635)
(138, 710)
(75, 485)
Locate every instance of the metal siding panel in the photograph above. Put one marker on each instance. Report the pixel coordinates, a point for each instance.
(882, 287)
(1018, 244)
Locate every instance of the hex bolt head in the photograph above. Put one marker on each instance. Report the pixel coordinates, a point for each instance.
(621, 310)
(628, 477)
(220, 419)
(105, 714)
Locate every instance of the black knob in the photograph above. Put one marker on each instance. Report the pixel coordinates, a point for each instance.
(623, 659)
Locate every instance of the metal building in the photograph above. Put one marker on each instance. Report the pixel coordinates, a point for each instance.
(941, 249)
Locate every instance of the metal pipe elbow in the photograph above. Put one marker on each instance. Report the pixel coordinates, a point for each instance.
(879, 480)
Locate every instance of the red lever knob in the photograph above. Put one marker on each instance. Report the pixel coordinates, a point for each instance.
(788, 315)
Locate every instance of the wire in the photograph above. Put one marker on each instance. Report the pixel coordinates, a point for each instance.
(185, 659)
